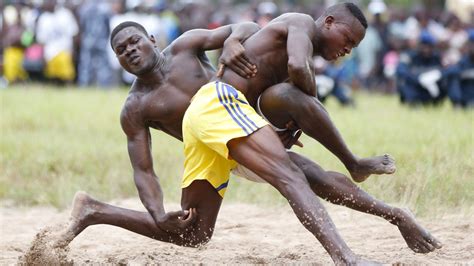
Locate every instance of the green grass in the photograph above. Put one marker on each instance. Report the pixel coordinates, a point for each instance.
(54, 142)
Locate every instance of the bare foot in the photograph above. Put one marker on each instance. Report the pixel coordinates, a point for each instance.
(417, 237)
(82, 209)
(384, 164)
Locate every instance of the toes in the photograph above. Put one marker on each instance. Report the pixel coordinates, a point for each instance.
(434, 242)
(388, 160)
(420, 248)
(427, 245)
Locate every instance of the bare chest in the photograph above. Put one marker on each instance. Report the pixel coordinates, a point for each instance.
(164, 110)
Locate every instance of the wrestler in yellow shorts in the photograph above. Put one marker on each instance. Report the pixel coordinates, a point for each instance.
(218, 113)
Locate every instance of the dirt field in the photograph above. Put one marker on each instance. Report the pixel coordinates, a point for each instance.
(247, 234)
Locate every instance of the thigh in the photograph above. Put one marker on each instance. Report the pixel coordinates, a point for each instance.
(284, 102)
(204, 197)
(264, 154)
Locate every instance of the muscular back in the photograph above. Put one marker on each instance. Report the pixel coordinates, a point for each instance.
(268, 50)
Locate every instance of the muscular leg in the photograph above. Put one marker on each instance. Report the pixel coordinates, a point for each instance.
(262, 153)
(338, 189)
(284, 102)
(200, 195)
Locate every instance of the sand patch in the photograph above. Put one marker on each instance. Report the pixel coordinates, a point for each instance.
(244, 233)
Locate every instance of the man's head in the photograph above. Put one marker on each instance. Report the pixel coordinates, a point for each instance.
(342, 27)
(135, 50)
(426, 44)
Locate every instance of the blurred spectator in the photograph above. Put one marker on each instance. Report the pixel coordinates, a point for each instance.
(456, 37)
(40, 43)
(266, 12)
(419, 73)
(14, 51)
(169, 21)
(194, 14)
(464, 9)
(55, 31)
(366, 54)
(375, 78)
(94, 21)
(423, 22)
(118, 16)
(396, 27)
(329, 82)
(3, 81)
(33, 61)
(461, 77)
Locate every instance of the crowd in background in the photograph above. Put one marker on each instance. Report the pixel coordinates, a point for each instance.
(422, 55)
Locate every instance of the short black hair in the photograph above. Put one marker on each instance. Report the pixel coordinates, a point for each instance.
(124, 25)
(340, 9)
(357, 13)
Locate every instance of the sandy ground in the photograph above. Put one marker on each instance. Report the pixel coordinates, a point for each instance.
(248, 234)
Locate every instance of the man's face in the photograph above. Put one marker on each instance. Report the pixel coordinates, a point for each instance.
(426, 50)
(340, 37)
(134, 50)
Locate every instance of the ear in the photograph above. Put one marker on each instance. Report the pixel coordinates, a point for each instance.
(152, 39)
(328, 21)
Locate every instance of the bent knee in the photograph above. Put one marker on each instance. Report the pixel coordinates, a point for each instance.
(276, 103)
(290, 180)
(279, 91)
(288, 100)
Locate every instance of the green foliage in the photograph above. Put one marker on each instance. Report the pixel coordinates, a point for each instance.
(56, 142)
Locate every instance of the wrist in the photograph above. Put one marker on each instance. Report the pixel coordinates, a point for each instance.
(231, 40)
(159, 218)
(158, 215)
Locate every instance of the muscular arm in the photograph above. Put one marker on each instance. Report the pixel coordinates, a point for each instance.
(139, 150)
(230, 38)
(201, 40)
(146, 181)
(300, 55)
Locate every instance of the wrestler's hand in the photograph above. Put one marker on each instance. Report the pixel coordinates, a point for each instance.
(291, 135)
(233, 56)
(177, 222)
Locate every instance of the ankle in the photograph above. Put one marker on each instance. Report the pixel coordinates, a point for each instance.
(396, 217)
(351, 163)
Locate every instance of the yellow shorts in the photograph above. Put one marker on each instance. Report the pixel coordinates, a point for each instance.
(12, 63)
(217, 114)
(61, 67)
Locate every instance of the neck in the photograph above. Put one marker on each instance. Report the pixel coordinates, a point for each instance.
(157, 73)
(317, 37)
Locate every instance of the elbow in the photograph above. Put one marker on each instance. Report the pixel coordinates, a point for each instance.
(296, 67)
(299, 65)
(249, 25)
(254, 26)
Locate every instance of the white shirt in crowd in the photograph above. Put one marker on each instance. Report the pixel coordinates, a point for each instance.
(55, 31)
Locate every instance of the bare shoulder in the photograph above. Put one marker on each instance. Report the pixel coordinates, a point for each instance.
(131, 117)
(283, 22)
(295, 19)
(183, 43)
